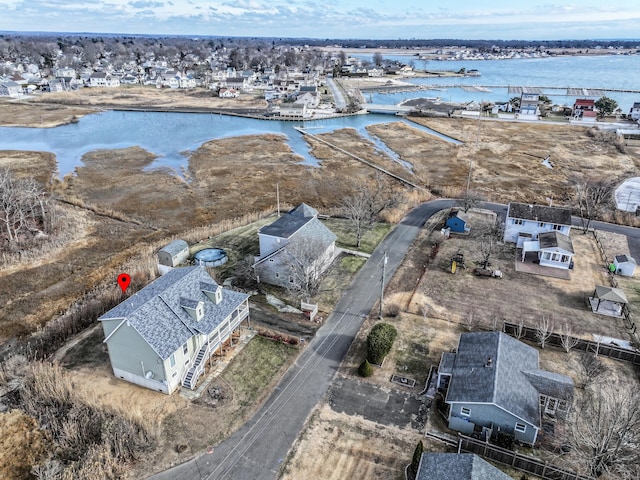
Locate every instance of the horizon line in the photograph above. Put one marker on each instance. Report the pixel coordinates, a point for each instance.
(44, 32)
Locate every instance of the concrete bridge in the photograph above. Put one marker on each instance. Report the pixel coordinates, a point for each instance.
(389, 109)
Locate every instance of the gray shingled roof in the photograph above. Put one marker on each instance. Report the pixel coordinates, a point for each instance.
(290, 222)
(156, 312)
(457, 466)
(505, 383)
(540, 213)
(555, 239)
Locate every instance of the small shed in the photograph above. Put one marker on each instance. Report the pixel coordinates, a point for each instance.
(608, 301)
(625, 265)
(457, 222)
(173, 254)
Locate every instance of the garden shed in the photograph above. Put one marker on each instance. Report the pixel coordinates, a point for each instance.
(457, 222)
(625, 265)
(174, 253)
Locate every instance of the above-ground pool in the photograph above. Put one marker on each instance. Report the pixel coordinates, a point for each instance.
(210, 257)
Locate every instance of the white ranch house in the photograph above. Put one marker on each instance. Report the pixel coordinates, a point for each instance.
(161, 337)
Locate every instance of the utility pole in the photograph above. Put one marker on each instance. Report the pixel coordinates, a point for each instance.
(384, 265)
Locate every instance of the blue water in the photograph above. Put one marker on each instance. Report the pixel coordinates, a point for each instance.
(171, 136)
(603, 72)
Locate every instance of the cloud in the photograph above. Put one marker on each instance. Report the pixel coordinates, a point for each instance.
(328, 19)
(146, 4)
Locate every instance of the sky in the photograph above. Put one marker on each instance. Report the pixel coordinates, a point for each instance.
(327, 19)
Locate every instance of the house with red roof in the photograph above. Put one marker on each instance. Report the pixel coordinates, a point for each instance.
(583, 105)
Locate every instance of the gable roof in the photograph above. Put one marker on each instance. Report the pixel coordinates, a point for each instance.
(156, 312)
(584, 102)
(539, 213)
(506, 382)
(290, 222)
(555, 240)
(457, 466)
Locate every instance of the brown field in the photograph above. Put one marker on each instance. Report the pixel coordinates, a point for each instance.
(336, 446)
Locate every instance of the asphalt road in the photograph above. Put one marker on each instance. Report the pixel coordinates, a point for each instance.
(258, 449)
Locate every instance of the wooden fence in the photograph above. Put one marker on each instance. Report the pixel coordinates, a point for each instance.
(524, 332)
(516, 460)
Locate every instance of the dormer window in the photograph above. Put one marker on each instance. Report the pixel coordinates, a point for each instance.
(213, 291)
(194, 308)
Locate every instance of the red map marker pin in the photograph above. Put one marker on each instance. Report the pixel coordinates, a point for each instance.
(124, 280)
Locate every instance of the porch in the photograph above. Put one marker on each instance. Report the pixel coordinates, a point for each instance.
(529, 263)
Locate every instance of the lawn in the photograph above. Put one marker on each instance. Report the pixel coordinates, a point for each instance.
(253, 373)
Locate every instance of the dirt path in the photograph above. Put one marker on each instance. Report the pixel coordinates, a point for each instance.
(59, 355)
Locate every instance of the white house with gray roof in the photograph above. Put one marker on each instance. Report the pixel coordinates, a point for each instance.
(281, 240)
(161, 336)
(493, 383)
(525, 222)
(457, 466)
(552, 249)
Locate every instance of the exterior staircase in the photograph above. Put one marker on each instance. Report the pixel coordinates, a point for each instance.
(196, 369)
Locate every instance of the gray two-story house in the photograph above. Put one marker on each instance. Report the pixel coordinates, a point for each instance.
(493, 383)
(162, 336)
(282, 241)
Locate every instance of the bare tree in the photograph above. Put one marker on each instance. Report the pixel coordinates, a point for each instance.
(308, 260)
(470, 200)
(367, 202)
(606, 431)
(520, 330)
(490, 235)
(544, 328)
(567, 336)
(591, 370)
(592, 196)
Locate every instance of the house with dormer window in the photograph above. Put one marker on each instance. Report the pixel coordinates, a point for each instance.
(162, 336)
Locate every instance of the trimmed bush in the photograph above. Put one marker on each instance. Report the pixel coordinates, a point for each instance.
(365, 369)
(379, 342)
(415, 462)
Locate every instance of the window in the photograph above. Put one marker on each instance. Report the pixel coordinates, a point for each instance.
(185, 348)
(174, 374)
(557, 227)
(541, 225)
(172, 360)
(465, 411)
(521, 427)
(518, 221)
(565, 259)
(546, 256)
(563, 405)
